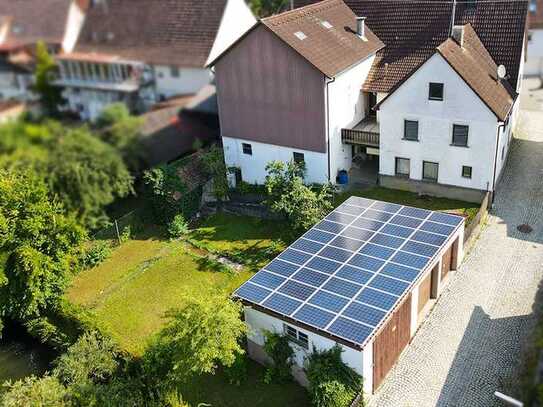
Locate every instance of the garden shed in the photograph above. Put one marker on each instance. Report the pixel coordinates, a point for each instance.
(364, 278)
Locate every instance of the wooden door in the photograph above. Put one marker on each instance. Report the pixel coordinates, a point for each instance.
(425, 290)
(446, 262)
(390, 341)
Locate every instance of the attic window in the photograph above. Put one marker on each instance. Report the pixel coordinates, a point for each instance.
(300, 35)
(326, 24)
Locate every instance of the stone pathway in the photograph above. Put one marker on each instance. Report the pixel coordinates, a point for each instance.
(473, 341)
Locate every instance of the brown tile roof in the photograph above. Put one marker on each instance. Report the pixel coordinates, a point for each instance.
(413, 30)
(169, 32)
(330, 49)
(33, 20)
(475, 65)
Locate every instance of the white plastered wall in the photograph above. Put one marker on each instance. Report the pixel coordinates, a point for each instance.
(74, 23)
(534, 53)
(436, 118)
(188, 82)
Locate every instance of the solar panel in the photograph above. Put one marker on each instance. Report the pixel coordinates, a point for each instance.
(314, 316)
(345, 275)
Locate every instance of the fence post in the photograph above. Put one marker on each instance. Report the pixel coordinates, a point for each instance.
(117, 230)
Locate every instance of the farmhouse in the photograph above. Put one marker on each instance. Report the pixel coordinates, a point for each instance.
(141, 52)
(362, 278)
(417, 96)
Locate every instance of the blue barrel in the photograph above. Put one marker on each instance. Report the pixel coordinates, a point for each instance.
(343, 177)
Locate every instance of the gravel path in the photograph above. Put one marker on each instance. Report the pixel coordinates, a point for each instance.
(472, 343)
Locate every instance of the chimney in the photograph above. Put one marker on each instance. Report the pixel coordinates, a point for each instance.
(361, 27)
(458, 34)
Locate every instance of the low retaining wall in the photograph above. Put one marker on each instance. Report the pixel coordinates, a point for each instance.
(473, 229)
(432, 188)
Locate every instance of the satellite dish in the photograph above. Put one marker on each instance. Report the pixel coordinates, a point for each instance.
(501, 72)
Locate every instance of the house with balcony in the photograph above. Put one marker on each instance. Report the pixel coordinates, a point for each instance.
(22, 24)
(415, 96)
(142, 52)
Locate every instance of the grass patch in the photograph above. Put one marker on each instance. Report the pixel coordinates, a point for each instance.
(246, 240)
(466, 209)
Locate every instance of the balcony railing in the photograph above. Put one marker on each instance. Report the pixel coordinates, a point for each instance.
(364, 133)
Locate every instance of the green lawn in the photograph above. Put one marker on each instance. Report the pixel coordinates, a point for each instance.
(246, 240)
(467, 209)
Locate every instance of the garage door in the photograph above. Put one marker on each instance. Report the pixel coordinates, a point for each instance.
(390, 342)
(446, 262)
(425, 290)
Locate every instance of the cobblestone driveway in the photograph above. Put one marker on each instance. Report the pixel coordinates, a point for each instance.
(472, 343)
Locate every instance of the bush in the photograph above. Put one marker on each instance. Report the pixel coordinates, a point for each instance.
(178, 227)
(237, 373)
(96, 254)
(126, 234)
(330, 379)
(34, 391)
(278, 349)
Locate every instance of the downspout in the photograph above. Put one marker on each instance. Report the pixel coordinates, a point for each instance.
(328, 124)
(496, 163)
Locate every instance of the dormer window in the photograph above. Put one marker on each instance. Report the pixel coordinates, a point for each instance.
(300, 35)
(326, 24)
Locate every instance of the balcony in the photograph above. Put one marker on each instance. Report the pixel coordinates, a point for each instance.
(365, 133)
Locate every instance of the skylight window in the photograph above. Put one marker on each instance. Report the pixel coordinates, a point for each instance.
(326, 24)
(300, 35)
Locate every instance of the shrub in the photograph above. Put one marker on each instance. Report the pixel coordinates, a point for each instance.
(237, 373)
(178, 227)
(96, 254)
(330, 379)
(126, 234)
(213, 163)
(34, 391)
(278, 349)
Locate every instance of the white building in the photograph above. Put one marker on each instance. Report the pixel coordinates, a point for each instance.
(140, 52)
(368, 292)
(534, 50)
(308, 92)
(22, 25)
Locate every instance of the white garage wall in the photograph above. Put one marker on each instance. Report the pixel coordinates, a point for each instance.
(534, 53)
(253, 167)
(361, 362)
(436, 118)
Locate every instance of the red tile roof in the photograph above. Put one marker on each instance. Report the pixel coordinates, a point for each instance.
(330, 41)
(413, 30)
(168, 32)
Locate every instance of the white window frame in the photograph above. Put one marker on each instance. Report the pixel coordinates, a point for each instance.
(296, 336)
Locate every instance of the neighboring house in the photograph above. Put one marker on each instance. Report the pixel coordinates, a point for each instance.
(423, 109)
(22, 24)
(534, 52)
(140, 52)
(288, 87)
(364, 278)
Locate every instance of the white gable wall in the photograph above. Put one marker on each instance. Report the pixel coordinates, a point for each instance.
(534, 63)
(74, 23)
(436, 118)
(345, 108)
(189, 81)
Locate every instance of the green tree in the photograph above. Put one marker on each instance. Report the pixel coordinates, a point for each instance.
(199, 335)
(46, 68)
(213, 163)
(302, 205)
(265, 8)
(33, 391)
(120, 129)
(39, 245)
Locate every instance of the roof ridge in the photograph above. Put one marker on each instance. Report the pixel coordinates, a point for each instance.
(301, 12)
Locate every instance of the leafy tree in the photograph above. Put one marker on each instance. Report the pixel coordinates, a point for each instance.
(213, 162)
(200, 334)
(278, 348)
(93, 358)
(85, 173)
(33, 391)
(288, 195)
(120, 129)
(265, 8)
(50, 95)
(39, 244)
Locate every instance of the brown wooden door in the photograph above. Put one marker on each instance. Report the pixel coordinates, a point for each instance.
(390, 341)
(425, 290)
(446, 262)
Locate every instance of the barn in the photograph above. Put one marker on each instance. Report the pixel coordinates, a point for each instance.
(364, 278)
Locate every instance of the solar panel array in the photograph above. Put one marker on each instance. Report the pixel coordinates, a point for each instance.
(346, 274)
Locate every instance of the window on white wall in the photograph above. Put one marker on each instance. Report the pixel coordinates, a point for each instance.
(174, 71)
(460, 135)
(402, 167)
(411, 130)
(247, 149)
(466, 171)
(298, 157)
(296, 336)
(430, 171)
(435, 91)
